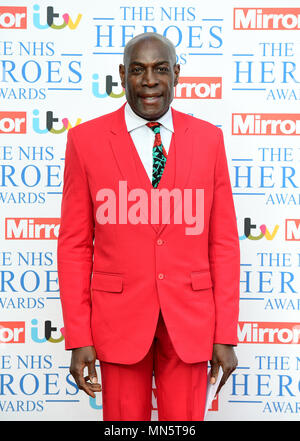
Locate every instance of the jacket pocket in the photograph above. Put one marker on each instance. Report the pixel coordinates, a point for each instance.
(106, 282)
(201, 280)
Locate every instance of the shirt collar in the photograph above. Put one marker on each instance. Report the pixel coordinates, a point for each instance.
(133, 121)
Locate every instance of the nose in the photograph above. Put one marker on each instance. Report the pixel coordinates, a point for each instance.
(149, 78)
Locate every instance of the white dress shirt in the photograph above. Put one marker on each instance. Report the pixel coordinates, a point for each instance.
(143, 137)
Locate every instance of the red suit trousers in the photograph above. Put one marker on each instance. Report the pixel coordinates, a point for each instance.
(180, 387)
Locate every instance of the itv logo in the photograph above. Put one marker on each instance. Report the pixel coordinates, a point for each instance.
(51, 16)
(46, 332)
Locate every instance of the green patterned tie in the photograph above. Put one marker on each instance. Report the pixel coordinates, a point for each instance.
(159, 154)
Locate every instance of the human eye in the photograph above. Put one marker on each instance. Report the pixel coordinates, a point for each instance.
(136, 69)
(163, 69)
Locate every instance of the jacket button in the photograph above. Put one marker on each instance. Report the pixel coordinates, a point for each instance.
(161, 276)
(159, 241)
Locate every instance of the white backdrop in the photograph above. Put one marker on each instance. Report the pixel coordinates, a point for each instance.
(240, 71)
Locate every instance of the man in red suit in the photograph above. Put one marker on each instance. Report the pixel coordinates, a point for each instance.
(145, 293)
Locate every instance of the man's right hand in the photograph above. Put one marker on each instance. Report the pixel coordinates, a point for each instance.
(82, 357)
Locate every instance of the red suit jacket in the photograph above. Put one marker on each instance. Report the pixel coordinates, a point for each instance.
(115, 277)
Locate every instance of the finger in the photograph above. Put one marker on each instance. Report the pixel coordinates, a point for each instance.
(87, 388)
(88, 380)
(214, 373)
(92, 372)
(96, 387)
(81, 383)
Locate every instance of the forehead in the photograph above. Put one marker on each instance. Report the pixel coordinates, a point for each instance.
(147, 51)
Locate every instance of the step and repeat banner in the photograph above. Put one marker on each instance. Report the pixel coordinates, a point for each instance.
(240, 70)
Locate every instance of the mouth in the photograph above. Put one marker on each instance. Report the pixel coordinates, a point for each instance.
(150, 99)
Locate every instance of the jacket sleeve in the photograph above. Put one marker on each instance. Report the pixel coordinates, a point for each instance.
(224, 252)
(75, 250)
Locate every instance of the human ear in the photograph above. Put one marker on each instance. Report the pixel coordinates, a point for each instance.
(176, 74)
(122, 74)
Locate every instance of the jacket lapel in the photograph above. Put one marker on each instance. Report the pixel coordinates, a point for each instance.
(183, 147)
(121, 147)
(124, 150)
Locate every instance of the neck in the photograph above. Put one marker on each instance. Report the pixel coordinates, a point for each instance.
(146, 117)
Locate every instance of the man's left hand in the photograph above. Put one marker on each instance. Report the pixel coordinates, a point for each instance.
(224, 356)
